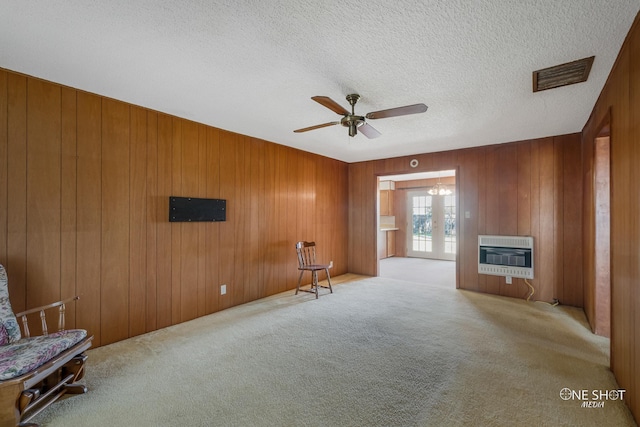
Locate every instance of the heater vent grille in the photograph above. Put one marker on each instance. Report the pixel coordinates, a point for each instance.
(506, 241)
(562, 75)
(506, 256)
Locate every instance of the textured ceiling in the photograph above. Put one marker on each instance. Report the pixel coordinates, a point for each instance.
(252, 66)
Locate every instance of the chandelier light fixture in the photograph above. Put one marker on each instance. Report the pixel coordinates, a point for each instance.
(439, 189)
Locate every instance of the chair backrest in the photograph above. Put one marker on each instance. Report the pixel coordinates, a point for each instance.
(306, 253)
(9, 328)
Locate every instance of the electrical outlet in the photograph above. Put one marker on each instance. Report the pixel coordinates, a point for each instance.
(223, 289)
(508, 279)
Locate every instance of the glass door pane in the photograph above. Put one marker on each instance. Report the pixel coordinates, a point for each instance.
(450, 224)
(422, 223)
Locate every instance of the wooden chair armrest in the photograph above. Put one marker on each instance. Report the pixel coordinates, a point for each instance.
(46, 307)
(41, 310)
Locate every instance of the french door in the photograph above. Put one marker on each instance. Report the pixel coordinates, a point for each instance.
(431, 221)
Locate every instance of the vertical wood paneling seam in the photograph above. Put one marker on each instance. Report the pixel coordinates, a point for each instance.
(151, 314)
(157, 179)
(60, 195)
(141, 264)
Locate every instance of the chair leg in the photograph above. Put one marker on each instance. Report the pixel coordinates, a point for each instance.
(328, 279)
(299, 280)
(315, 281)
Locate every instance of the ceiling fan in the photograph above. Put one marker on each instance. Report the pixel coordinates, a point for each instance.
(353, 122)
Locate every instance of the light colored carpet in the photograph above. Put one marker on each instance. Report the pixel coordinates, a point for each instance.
(377, 352)
(431, 272)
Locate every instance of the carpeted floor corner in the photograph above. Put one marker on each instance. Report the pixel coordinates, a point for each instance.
(376, 352)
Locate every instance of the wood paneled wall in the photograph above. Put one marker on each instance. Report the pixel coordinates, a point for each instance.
(619, 105)
(521, 188)
(84, 189)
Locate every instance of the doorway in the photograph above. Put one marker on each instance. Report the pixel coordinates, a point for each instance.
(436, 226)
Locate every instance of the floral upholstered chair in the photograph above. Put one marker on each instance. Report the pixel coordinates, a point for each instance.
(36, 371)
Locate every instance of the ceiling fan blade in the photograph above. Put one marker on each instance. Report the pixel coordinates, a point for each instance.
(316, 127)
(330, 104)
(369, 131)
(399, 111)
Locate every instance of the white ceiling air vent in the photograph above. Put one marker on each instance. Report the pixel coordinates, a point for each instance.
(562, 75)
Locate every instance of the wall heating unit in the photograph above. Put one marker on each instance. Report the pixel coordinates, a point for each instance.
(509, 256)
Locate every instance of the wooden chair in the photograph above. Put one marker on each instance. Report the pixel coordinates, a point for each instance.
(307, 262)
(35, 371)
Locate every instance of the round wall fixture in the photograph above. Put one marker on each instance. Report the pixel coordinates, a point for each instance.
(414, 163)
